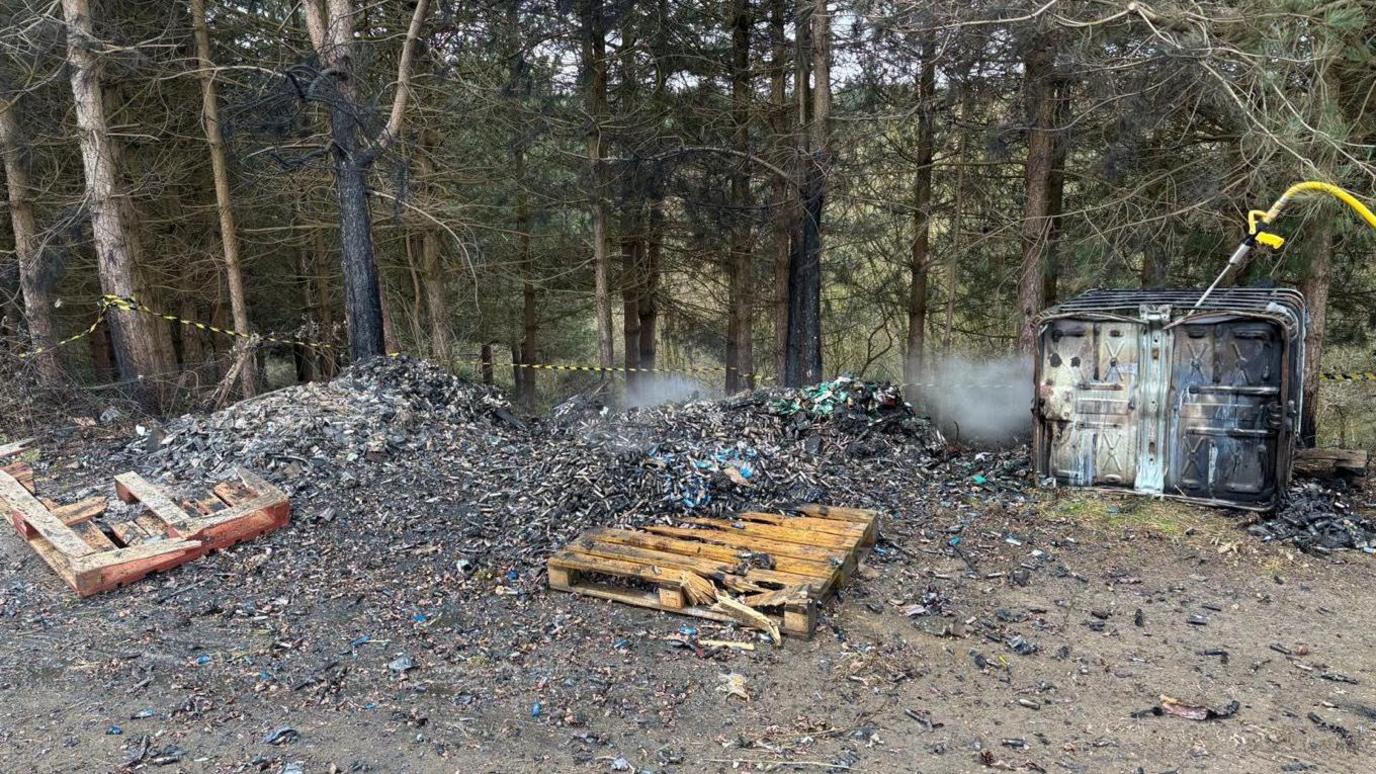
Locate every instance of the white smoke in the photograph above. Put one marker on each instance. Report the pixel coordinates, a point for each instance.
(981, 400)
(654, 389)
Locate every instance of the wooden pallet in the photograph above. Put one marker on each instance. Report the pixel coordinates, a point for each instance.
(781, 565)
(163, 536)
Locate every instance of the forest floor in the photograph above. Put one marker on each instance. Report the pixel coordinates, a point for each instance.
(394, 627)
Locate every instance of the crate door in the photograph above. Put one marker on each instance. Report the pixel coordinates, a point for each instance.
(1086, 406)
(1226, 390)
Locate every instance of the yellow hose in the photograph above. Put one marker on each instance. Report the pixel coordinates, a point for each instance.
(1341, 195)
(1256, 220)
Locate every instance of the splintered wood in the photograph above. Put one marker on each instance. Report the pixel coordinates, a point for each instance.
(764, 570)
(92, 560)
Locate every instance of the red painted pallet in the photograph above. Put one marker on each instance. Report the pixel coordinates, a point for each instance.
(164, 535)
(779, 566)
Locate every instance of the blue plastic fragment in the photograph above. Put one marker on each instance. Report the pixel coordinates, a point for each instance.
(622, 644)
(362, 639)
(536, 709)
(512, 575)
(954, 541)
(419, 618)
(688, 631)
(114, 731)
(202, 660)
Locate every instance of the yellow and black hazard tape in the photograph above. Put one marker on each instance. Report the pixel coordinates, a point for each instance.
(1358, 376)
(132, 305)
(622, 369)
(100, 317)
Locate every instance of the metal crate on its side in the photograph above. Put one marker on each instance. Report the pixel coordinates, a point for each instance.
(1142, 390)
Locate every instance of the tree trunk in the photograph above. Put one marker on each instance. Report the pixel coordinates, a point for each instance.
(309, 368)
(362, 287)
(329, 358)
(1055, 199)
(219, 166)
(1155, 266)
(192, 350)
(595, 71)
(391, 342)
(631, 248)
(102, 351)
(431, 267)
(1315, 285)
(1036, 221)
(485, 362)
(1318, 276)
(804, 350)
(920, 255)
(142, 343)
(740, 356)
(957, 224)
(35, 280)
(530, 314)
(648, 307)
(783, 199)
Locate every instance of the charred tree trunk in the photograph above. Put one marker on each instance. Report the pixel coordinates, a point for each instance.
(219, 166)
(142, 343)
(920, 254)
(35, 280)
(595, 72)
(332, 32)
(804, 351)
(1038, 86)
(362, 288)
(740, 356)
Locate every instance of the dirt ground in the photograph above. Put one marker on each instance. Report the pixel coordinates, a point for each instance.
(1046, 651)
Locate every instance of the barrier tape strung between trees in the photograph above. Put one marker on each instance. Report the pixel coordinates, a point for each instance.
(100, 318)
(126, 304)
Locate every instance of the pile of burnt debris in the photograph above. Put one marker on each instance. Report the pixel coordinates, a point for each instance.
(402, 443)
(1319, 518)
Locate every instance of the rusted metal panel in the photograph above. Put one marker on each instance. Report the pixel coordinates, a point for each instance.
(1140, 390)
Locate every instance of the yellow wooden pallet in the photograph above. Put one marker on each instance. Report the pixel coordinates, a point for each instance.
(779, 564)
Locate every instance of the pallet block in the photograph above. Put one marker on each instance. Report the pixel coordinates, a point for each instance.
(164, 536)
(781, 565)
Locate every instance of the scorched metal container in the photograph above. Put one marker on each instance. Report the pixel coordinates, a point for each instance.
(1140, 390)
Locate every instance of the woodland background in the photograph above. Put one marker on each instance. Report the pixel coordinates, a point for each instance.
(693, 184)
